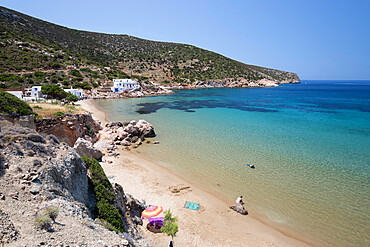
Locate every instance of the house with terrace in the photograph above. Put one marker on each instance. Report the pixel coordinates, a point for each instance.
(77, 92)
(122, 85)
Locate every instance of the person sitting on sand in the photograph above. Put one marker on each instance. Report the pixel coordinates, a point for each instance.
(239, 200)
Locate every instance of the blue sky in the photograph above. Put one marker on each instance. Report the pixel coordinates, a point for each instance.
(318, 39)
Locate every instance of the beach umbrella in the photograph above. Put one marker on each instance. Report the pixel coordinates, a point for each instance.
(151, 211)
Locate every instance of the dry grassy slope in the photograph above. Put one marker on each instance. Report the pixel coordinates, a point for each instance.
(157, 60)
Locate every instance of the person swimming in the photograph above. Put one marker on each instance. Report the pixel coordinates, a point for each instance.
(251, 166)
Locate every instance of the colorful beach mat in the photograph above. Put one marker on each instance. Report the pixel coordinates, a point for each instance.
(192, 205)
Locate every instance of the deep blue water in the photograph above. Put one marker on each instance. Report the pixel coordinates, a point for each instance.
(310, 143)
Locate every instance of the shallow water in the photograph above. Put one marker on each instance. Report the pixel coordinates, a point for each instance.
(309, 142)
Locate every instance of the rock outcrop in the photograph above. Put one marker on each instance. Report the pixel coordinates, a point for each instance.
(38, 171)
(70, 127)
(67, 175)
(129, 208)
(125, 134)
(86, 148)
(238, 207)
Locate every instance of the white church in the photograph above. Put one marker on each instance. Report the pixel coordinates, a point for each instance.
(120, 85)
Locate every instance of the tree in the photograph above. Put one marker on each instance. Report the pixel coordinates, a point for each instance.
(71, 97)
(53, 92)
(170, 227)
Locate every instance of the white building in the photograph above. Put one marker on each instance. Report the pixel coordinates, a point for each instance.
(33, 93)
(120, 85)
(18, 94)
(26, 94)
(78, 92)
(36, 92)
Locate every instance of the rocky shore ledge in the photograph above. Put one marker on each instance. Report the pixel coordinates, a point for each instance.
(39, 172)
(153, 89)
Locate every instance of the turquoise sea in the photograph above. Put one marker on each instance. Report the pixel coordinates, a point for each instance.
(310, 143)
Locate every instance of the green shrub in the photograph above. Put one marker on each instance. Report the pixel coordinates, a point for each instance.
(52, 212)
(90, 131)
(3, 85)
(53, 92)
(104, 194)
(71, 97)
(16, 84)
(83, 85)
(109, 226)
(110, 214)
(10, 103)
(170, 226)
(43, 221)
(59, 113)
(9, 77)
(75, 73)
(86, 70)
(55, 65)
(37, 107)
(39, 74)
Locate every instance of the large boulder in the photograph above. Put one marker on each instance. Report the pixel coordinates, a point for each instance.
(67, 175)
(121, 133)
(238, 207)
(86, 148)
(129, 208)
(146, 129)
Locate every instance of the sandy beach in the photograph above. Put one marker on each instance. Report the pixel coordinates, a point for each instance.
(213, 225)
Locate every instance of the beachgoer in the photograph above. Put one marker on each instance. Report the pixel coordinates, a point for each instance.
(239, 200)
(157, 225)
(171, 244)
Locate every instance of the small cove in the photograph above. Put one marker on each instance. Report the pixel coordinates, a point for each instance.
(309, 143)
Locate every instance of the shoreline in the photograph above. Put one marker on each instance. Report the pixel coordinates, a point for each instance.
(213, 221)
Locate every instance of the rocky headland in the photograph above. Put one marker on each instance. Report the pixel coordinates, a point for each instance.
(39, 171)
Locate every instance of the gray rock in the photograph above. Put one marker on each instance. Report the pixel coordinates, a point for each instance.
(36, 147)
(27, 121)
(103, 144)
(125, 143)
(238, 207)
(85, 148)
(68, 176)
(52, 139)
(35, 188)
(134, 139)
(149, 132)
(37, 162)
(36, 138)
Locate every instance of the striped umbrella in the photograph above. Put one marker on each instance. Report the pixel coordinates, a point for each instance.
(151, 211)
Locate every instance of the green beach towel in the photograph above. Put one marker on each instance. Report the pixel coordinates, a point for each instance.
(192, 205)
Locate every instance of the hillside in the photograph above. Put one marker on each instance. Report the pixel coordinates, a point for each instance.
(29, 44)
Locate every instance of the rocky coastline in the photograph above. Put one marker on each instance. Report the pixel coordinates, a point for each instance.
(42, 167)
(152, 89)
